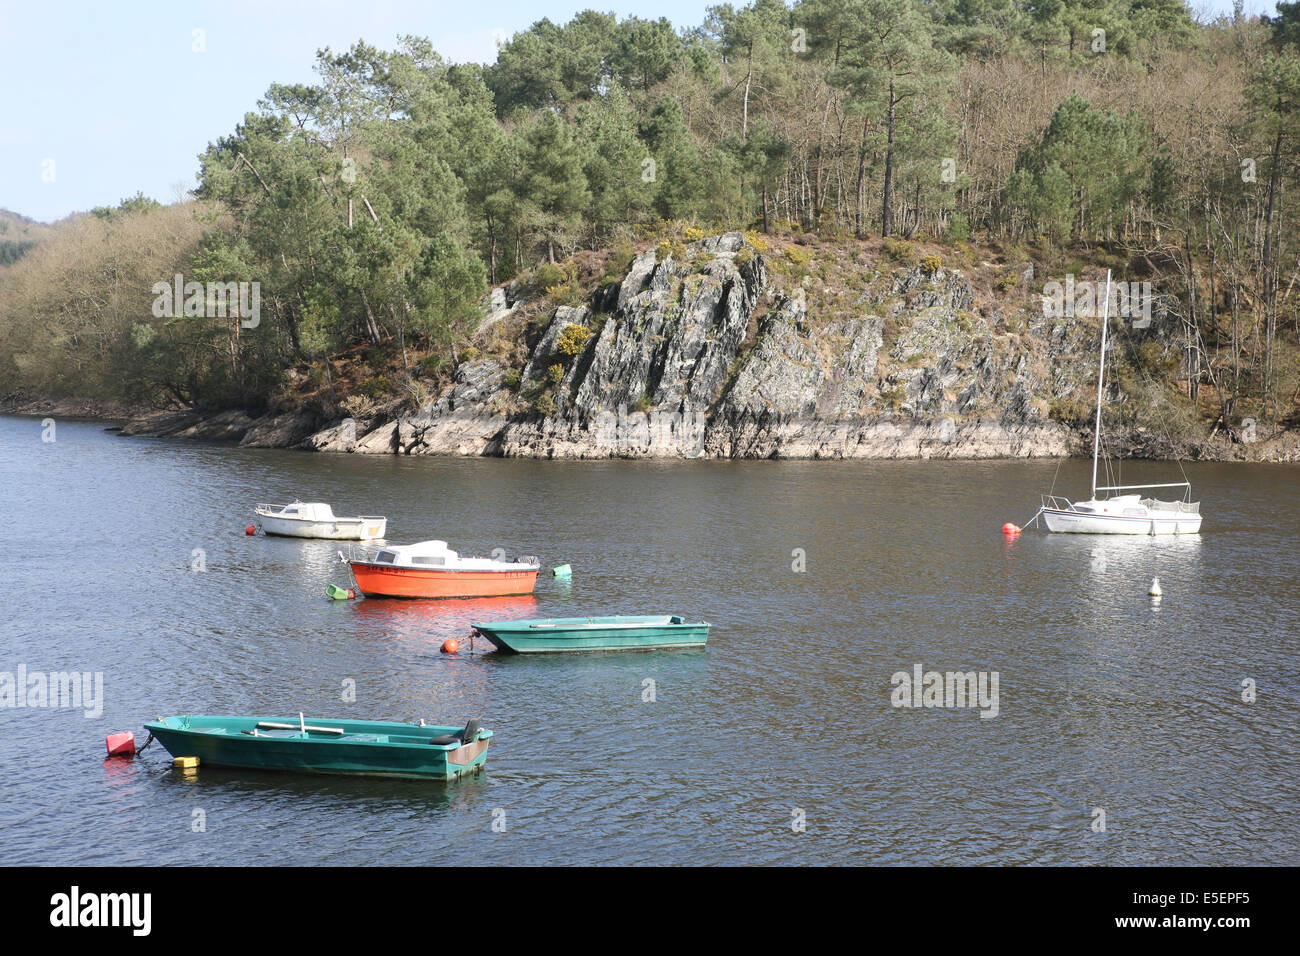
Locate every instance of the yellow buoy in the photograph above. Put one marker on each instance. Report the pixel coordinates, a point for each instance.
(186, 763)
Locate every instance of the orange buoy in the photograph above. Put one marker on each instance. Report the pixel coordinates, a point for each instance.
(1010, 529)
(250, 530)
(450, 646)
(121, 745)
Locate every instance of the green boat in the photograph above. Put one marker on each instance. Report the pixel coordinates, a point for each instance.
(627, 633)
(359, 747)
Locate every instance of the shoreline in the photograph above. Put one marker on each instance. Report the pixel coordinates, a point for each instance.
(703, 353)
(899, 438)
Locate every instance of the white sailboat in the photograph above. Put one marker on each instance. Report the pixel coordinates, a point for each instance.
(1122, 510)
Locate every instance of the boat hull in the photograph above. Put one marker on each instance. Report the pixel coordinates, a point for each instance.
(397, 750)
(569, 635)
(1071, 522)
(340, 529)
(382, 580)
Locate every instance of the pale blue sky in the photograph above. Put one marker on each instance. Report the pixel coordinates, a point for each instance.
(106, 99)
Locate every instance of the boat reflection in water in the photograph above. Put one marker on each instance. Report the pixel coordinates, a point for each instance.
(439, 620)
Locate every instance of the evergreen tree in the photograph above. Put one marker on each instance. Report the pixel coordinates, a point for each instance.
(621, 180)
(680, 168)
(645, 53)
(553, 185)
(893, 72)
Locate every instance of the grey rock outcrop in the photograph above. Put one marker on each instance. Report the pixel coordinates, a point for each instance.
(223, 426)
(339, 437)
(280, 431)
(695, 354)
(467, 419)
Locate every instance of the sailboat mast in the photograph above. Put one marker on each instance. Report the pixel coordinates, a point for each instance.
(1101, 382)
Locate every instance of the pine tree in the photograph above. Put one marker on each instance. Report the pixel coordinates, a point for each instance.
(553, 184)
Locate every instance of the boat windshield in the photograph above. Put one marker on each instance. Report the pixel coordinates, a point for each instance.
(385, 557)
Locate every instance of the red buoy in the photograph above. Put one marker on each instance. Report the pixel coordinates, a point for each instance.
(450, 646)
(250, 530)
(121, 745)
(1010, 529)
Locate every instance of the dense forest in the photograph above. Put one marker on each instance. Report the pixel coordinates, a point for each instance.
(377, 205)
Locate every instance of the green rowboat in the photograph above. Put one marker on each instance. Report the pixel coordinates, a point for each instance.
(359, 747)
(627, 633)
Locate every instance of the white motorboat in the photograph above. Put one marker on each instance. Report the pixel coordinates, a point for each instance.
(1125, 512)
(314, 519)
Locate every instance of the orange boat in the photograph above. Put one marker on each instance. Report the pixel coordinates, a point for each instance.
(430, 569)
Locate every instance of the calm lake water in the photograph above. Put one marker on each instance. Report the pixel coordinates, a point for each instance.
(1106, 700)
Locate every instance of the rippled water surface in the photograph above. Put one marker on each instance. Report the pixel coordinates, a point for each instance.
(1106, 700)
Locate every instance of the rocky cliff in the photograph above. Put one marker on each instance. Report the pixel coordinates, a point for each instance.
(680, 360)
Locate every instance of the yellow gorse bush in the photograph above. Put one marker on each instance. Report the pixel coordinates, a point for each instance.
(572, 340)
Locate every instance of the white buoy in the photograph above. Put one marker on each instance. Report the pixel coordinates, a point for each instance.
(1155, 591)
